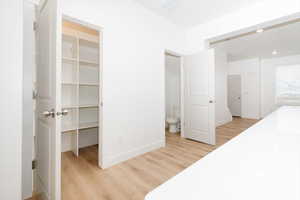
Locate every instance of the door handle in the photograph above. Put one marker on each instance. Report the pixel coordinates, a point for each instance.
(211, 101)
(64, 112)
(49, 113)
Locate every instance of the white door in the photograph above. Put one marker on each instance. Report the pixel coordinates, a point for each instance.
(48, 100)
(234, 94)
(199, 96)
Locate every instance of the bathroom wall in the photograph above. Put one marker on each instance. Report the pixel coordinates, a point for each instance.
(172, 74)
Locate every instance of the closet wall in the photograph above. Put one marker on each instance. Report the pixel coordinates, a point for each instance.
(80, 86)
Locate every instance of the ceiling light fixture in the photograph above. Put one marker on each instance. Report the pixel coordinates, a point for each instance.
(260, 30)
(274, 52)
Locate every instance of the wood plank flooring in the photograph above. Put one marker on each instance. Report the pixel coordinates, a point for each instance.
(133, 179)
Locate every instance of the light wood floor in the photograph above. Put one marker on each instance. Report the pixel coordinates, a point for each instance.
(133, 179)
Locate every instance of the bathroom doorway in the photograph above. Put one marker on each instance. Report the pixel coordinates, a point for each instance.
(173, 93)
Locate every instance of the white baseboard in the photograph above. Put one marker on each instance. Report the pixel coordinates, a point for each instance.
(110, 161)
(222, 122)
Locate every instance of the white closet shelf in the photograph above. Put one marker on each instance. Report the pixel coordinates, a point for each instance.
(89, 106)
(70, 83)
(69, 35)
(87, 125)
(80, 106)
(68, 127)
(90, 41)
(89, 84)
(74, 127)
(69, 106)
(69, 59)
(88, 63)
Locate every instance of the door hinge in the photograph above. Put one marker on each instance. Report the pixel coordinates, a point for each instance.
(35, 26)
(34, 163)
(34, 94)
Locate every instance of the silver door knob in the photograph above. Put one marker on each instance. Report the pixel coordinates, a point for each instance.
(64, 112)
(49, 113)
(211, 101)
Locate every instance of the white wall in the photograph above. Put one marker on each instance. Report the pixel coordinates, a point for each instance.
(266, 10)
(268, 80)
(173, 86)
(250, 74)
(11, 72)
(222, 111)
(134, 42)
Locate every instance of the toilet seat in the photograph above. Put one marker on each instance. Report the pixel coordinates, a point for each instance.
(172, 120)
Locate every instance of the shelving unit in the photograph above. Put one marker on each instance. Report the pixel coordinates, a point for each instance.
(80, 85)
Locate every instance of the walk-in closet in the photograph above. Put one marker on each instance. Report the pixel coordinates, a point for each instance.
(80, 86)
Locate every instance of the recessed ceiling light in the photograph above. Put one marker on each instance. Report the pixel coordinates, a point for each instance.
(274, 52)
(260, 30)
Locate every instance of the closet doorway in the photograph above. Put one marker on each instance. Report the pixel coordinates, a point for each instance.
(81, 96)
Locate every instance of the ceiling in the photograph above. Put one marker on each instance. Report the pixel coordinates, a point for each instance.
(285, 40)
(188, 13)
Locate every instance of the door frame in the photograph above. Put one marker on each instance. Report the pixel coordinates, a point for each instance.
(100, 30)
(180, 56)
(100, 148)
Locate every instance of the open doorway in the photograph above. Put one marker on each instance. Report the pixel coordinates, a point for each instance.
(262, 70)
(190, 95)
(81, 99)
(69, 126)
(173, 93)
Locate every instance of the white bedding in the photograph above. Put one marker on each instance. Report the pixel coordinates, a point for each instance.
(263, 163)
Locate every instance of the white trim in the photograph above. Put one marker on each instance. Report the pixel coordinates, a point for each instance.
(182, 91)
(112, 160)
(222, 122)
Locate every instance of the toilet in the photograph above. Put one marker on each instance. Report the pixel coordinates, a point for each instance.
(173, 120)
(173, 124)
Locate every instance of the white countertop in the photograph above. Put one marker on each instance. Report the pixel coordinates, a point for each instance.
(263, 163)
